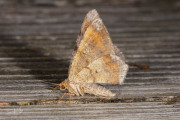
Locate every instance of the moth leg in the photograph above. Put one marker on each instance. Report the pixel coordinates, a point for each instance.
(69, 99)
(69, 94)
(53, 89)
(61, 97)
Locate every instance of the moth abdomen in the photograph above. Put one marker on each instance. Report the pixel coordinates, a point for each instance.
(97, 90)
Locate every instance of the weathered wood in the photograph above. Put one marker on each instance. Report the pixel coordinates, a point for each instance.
(36, 44)
(120, 111)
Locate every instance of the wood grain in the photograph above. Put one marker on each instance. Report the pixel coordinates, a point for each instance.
(36, 43)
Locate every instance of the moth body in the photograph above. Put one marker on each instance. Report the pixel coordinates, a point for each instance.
(80, 88)
(95, 60)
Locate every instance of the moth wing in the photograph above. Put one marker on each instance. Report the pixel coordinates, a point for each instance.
(96, 60)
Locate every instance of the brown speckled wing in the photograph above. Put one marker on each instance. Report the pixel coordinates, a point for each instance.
(95, 59)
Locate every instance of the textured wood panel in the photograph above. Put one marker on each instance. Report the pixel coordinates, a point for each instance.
(120, 111)
(36, 43)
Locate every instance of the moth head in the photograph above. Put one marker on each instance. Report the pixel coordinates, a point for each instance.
(63, 86)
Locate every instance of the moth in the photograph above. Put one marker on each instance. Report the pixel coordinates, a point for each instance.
(95, 60)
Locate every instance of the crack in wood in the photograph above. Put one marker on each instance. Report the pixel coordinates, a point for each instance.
(167, 99)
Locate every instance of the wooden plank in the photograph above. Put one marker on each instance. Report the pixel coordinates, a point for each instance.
(120, 111)
(36, 44)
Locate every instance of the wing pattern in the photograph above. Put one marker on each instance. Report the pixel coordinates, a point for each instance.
(96, 59)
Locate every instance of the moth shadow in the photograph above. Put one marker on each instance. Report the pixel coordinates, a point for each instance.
(38, 64)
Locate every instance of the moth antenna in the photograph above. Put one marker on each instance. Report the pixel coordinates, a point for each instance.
(50, 83)
(45, 82)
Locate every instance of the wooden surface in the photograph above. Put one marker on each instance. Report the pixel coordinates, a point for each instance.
(36, 42)
(120, 111)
